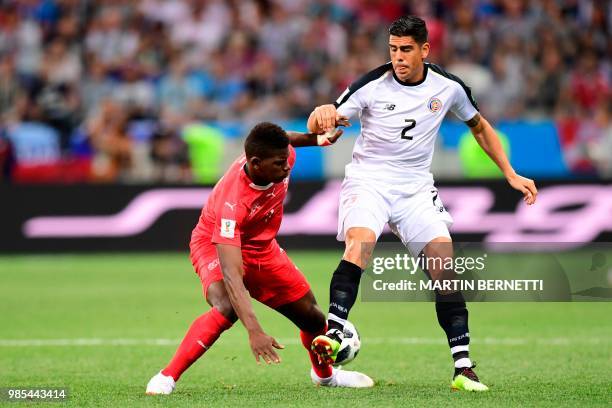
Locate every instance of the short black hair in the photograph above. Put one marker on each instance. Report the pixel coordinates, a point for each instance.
(410, 26)
(264, 139)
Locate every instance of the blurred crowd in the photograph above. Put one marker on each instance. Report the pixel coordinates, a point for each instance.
(106, 87)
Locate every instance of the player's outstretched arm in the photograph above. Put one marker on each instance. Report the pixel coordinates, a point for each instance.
(262, 345)
(298, 139)
(489, 141)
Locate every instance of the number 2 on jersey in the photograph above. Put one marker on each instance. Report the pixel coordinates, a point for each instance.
(411, 125)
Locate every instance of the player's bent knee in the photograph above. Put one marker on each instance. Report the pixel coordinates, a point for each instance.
(360, 234)
(226, 309)
(437, 251)
(360, 244)
(441, 247)
(217, 297)
(357, 257)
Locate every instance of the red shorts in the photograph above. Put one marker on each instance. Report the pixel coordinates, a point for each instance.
(271, 279)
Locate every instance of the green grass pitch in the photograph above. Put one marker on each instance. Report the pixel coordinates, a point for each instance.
(102, 325)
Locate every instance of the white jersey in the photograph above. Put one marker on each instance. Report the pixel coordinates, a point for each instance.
(400, 121)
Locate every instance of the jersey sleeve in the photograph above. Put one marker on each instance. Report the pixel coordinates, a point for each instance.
(229, 216)
(351, 102)
(464, 106)
(355, 97)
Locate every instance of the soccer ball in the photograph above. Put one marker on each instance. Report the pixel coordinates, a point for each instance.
(349, 348)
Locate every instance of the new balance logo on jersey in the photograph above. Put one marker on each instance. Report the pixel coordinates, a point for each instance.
(389, 106)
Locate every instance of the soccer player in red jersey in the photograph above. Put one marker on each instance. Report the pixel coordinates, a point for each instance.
(235, 254)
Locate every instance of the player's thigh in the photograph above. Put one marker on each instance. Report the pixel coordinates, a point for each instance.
(305, 313)
(362, 206)
(208, 268)
(274, 280)
(419, 219)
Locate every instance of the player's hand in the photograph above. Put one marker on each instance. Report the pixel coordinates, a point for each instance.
(327, 118)
(525, 186)
(329, 138)
(263, 346)
(342, 121)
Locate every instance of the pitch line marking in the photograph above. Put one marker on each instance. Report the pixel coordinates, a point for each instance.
(551, 341)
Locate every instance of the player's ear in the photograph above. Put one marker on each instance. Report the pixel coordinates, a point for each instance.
(424, 50)
(255, 162)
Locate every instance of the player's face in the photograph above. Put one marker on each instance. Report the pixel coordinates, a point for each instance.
(275, 168)
(407, 57)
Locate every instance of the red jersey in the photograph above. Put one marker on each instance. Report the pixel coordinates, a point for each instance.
(240, 213)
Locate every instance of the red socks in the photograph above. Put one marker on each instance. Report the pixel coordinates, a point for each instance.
(322, 370)
(204, 331)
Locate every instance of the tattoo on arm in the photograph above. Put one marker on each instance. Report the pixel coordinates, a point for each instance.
(475, 121)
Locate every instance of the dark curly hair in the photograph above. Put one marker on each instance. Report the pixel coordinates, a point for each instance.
(264, 139)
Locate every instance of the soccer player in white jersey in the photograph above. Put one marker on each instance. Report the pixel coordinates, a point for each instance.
(401, 105)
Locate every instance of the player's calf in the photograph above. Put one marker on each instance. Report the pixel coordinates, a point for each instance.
(204, 331)
(452, 316)
(344, 286)
(306, 314)
(343, 291)
(200, 337)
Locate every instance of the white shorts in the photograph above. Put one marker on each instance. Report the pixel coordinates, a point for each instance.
(415, 214)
